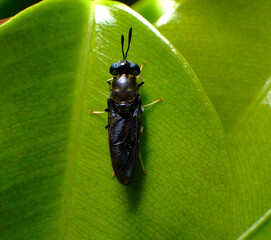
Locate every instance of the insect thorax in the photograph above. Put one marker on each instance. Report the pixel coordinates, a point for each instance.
(124, 88)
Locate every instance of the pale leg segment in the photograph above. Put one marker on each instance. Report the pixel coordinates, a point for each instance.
(142, 65)
(152, 103)
(142, 164)
(140, 84)
(109, 80)
(96, 112)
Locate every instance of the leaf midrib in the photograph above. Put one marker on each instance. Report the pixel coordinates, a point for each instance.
(78, 115)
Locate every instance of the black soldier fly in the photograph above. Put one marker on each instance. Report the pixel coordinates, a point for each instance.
(124, 116)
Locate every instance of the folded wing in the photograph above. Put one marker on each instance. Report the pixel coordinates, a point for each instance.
(124, 138)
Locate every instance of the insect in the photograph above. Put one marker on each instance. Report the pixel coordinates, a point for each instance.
(124, 116)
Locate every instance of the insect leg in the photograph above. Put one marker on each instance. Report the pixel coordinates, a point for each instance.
(156, 101)
(97, 112)
(143, 63)
(113, 174)
(140, 84)
(109, 81)
(100, 112)
(142, 165)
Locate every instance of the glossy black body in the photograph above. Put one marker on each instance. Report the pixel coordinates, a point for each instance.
(124, 118)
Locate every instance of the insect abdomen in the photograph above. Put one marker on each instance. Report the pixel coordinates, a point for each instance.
(124, 136)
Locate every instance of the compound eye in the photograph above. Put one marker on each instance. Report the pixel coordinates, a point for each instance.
(115, 68)
(134, 69)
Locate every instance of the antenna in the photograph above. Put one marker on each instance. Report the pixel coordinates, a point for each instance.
(122, 44)
(129, 41)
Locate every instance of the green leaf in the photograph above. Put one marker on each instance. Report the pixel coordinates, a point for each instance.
(55, 169)
(152, 10)
(261, 229)
(228, 45)
(9, 8)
